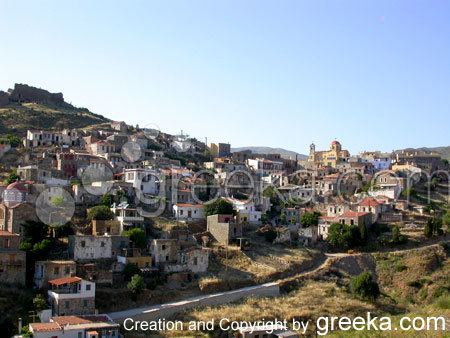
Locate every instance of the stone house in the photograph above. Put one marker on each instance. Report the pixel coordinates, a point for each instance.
(188, 212)
(164, 251)
(136, 257)
(194, 260)
(71, 296)
(119, 126)
(308, 236)
(105, 227)
(48, 270)
(12, 260)
(88, 247)
(370, 204)
(224, 229)
(34, 173)
(355, 218)
(101, 148)
(334, 210)
(12, 218)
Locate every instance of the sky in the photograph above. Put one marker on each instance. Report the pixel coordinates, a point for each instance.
(374, 74)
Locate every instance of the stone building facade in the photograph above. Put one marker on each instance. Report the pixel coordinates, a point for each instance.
(12, 260)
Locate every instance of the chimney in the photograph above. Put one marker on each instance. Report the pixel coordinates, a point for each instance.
(20, 325)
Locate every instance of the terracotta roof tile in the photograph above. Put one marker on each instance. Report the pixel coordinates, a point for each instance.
(45, 327)
(64, 280)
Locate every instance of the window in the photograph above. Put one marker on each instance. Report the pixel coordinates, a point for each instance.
(67, 304)
(56, 271)
(195, 261)
(102, 244)
(80, 334)
(83, 244)
(85, 303)
(163, 247)
(88, 287)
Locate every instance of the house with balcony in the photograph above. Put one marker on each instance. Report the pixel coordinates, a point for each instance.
(127, 217)
(71, 296)
(49, 270)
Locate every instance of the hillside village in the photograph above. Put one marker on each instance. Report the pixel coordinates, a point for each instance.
(106, 217)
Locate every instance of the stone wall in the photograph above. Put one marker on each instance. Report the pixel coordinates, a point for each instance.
(4, 98)
(12, 267)
(25, 93)
(74, 306)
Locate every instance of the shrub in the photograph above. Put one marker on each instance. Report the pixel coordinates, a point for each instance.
(130, 270)
(443, 302)
(397, 236)
(270, 235)
(345, 236)
(100, 212)
(219, 206)
(136, 285)
(310, 219)
(39, 303)
(363, 286)
(137, 236)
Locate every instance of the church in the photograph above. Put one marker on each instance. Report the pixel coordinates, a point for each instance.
(330, 157)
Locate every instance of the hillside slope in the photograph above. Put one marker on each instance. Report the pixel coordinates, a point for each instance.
(26, 107)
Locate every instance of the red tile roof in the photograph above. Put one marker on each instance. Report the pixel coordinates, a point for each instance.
(45, 327)
(64, 280)
(76, 320)
(17, 186)
(369, 202)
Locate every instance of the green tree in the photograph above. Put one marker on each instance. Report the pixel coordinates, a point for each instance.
(446, 218)
(12, 177)
(137, 236)
(42, 248)
(39, 303)
(219, 206)
(35, 231)
(63, 230)
(107, 200)
(130, 270)
(100, 212)
(433, 227)
(363, 286)
(136, 285)
(428, 230)
(14, 140)
(397, 237)
(343, 236)
(310, 219)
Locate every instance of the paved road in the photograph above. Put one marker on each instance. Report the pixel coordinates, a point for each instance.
(267, 289)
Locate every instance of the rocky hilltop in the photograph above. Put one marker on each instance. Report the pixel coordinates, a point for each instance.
(26, 107)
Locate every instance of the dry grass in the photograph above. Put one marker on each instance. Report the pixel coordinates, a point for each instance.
(315, 298)
(416, 277)
(231, 267)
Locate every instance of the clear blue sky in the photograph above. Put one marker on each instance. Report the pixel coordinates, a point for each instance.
(373, 74)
